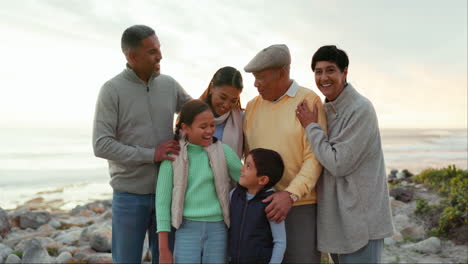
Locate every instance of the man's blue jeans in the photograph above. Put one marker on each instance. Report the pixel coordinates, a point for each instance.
(132, 216)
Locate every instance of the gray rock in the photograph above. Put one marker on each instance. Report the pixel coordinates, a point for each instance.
(35, 253)
(13, 259)
(430, 245)
(389, 241)
(54, 223)
(46, 228)
(34, 219)
(78, 209)
(400, 175)
(44, 241)
(4, 223)
(4, 252)
(64, 257)
(101, 240)
(413, 232)
(83, 252)
(401, 221)
(85, 236)
(99, 258)
(402, 193)
(69, 238)
(70, 249)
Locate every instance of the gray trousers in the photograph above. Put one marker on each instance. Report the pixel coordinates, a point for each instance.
(301, 235)
(370, 253)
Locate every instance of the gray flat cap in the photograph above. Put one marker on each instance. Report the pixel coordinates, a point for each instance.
(275, 56)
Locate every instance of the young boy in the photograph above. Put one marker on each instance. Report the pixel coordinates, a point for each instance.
(252, 238)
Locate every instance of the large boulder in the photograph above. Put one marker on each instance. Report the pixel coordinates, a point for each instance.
(34, 219)
(13, 259)
(44, 241)
(402, 193)
(36, 253)
(101, 240)
(69, 238)
(4, 223)
(64, 257)
(4, 252)
(431, 245)
(415, 232)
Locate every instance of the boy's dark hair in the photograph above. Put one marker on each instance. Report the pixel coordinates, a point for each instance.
(269, 163)
(332, 54)
(188, 113)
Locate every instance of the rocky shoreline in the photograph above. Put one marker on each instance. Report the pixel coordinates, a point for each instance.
(39, 232)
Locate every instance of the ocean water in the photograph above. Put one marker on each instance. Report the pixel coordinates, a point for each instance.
(59, 165)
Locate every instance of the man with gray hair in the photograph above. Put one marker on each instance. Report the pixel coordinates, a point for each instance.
(133, 131)
(270, 123)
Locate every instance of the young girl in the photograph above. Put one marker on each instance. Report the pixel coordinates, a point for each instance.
(192, 192)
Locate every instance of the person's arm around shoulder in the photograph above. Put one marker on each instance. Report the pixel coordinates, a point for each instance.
(105, 143)
(310, 171)
(233, 163)
(163, 210)
(340, 156)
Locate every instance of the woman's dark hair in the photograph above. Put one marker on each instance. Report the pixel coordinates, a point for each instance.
(268, 162)
(332, 54)
(188, 113)
(225, 76)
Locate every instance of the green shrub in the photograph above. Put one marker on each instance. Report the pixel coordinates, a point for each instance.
(452, 184)
(18, 253)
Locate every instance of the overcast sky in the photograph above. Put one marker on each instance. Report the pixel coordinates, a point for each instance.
(408, 57)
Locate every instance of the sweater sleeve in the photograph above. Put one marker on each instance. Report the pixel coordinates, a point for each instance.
(307, 177)
(341, 155)
(164, 197)
(233, 162)
(105, 143)
(278, 231)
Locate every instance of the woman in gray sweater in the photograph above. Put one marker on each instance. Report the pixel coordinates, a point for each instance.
(353, 215)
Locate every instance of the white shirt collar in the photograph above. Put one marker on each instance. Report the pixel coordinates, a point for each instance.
(291, 92)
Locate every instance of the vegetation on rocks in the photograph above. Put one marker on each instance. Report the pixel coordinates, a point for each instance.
(449, 218)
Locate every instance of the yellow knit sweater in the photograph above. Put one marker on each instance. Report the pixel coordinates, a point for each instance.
(275, 126)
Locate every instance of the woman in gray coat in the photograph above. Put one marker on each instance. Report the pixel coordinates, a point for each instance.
(353, 213)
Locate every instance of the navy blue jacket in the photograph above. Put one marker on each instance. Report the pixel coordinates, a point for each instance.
(250, 238)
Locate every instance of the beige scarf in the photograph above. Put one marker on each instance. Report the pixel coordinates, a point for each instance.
(232, 135)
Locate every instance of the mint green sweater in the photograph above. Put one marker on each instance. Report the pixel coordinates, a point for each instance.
(201, 201)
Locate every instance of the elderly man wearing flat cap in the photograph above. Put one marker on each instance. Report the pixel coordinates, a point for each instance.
(270, 122)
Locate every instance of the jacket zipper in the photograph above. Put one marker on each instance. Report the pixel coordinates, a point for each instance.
(242, 229)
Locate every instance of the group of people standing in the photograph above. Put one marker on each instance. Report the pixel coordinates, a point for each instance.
(313, 177)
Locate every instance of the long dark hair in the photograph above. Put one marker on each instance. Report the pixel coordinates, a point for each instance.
(225, 76)
(188, 113)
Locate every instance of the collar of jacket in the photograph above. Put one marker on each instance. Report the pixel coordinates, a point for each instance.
(341, 102)
(132, 76)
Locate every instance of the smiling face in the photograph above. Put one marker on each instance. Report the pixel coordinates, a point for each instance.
(224, 98)
(330, 79)
(145, 59)
(201, 131)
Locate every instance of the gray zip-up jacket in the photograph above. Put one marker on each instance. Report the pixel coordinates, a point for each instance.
(130, 121)
(353, 202)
